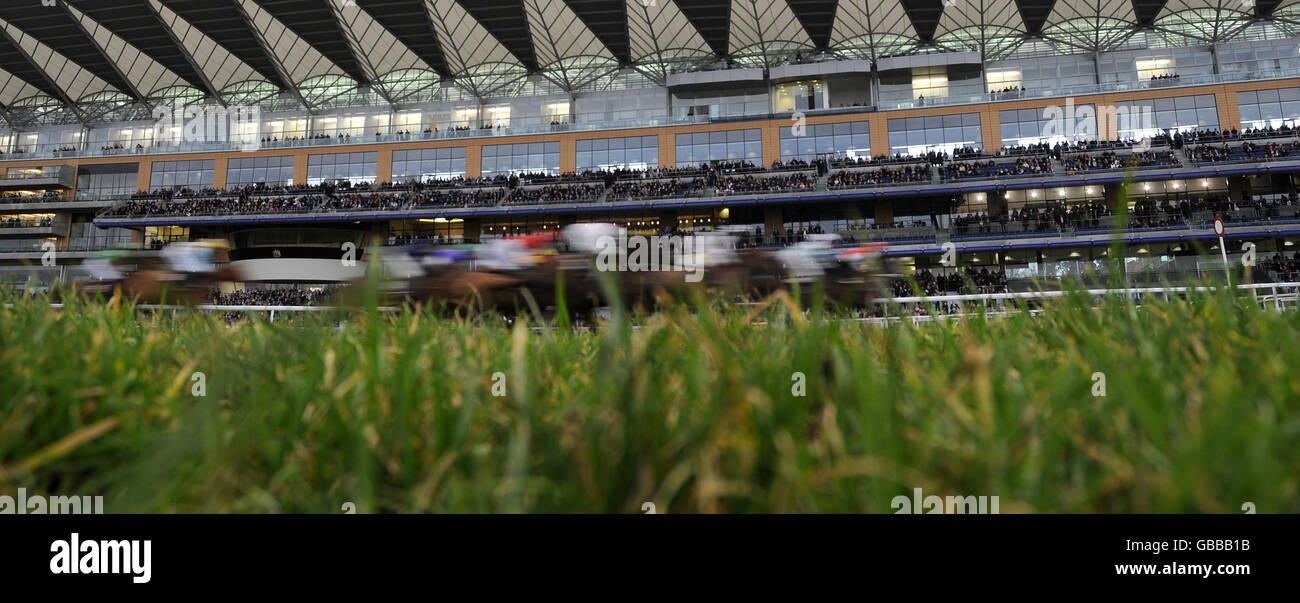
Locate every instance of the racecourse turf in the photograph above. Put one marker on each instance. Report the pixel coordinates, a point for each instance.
(693, 408)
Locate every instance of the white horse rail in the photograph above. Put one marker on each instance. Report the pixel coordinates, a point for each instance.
(1279, 295)
(1274, 287)
(250, 309)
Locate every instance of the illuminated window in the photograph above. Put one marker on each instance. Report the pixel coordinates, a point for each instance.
(1000, 80)
(929, 82)
(556, 112)
(1149, 68)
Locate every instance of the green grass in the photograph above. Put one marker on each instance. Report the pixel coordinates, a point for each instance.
(692, 411)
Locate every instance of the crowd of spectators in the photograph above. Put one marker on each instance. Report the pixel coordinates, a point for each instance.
(1110, 160)
(330, 196)
(1281, 269)
(280, 296)
(969, 281)
(1027, 165)
(16, 222)
(1247, 151)
(736, 185)
(43, 197)
(848, 162)
(723, 168)
(1267, 132)
(555, 193)
(426, 238)
(1178, 139)
(655, 189)
(363, 201)
(657, 172)
(531, 178)
(415, 184)
(1041, 148)
(215, 206)
(1051, 216)
(794, 163)
(860, 178)
(478, 197)
(1008, 92)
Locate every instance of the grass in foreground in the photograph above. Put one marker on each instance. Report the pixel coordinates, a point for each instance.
(692, 411)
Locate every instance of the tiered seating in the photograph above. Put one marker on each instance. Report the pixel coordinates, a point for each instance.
(1245, 152)
(630, 190)
(982, 170)
(912, 174)
(752, 183)
(1110, 160)
(555, 193)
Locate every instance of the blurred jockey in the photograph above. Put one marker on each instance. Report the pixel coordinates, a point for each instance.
(806, 260)
(512, 253)
(191, 257)
(101, 267)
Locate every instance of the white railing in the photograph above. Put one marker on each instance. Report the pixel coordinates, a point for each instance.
(1279, 296)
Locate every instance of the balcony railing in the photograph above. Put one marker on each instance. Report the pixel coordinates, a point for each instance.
(62, 175)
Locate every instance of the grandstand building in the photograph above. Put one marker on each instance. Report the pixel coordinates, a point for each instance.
(1017, 130)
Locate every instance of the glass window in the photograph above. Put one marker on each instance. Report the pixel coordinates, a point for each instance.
(846, 139)
(332, 167)
(106, 181)
(1050, 125)
(181, 174)
(729, 145)
(916, 135)
(537, 157)
(1268, 108)
(425, 164)
(242, 171)
(1142, 119)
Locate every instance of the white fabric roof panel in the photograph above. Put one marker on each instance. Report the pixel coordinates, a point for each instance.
(465, 43)
(760, 23)
(301, 61)
(74, 80)
(220, 66)
(378, 48)
(13, 88)
(1090, 24)
(871, 28)
(660, 26)
(145, 74)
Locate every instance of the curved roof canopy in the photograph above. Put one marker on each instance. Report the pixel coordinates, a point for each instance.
(83, 61)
